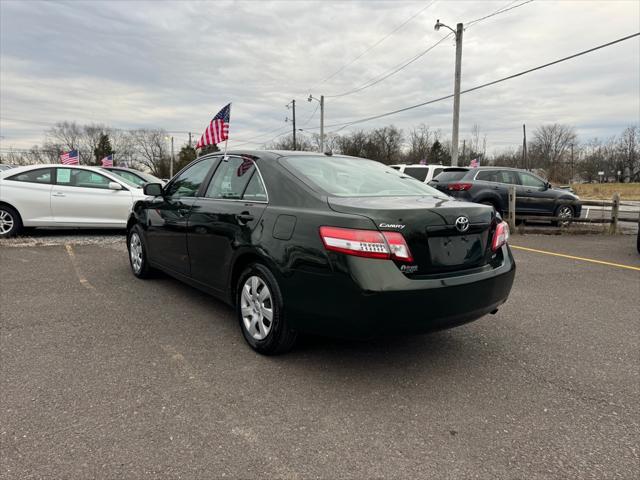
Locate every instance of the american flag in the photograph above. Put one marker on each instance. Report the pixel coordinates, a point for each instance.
(475, 163)
(70, 158)
(245, 166)
(218, 129)
(107, 161)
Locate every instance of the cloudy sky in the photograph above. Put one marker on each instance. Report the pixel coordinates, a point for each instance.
(172, 65)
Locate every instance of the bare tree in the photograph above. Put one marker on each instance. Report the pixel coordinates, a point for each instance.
(68, 135)
(420, 142)
(354, 144)
(151, 151)
(629, 155)
(385, 145)
(552, 141)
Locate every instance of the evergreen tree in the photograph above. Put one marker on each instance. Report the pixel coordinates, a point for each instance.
(103, 149)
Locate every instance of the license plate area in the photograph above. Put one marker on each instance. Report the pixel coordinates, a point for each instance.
(455, 250)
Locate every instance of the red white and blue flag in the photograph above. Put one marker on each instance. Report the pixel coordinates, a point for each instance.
(107, 161)
(475, 163)
(70, 158)
(218, 129)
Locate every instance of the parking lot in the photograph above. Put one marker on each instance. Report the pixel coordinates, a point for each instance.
(107, 376)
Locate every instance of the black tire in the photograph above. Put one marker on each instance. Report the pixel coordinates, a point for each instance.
(10, 222)
(560, 210)
(141, 269)
(279, 338)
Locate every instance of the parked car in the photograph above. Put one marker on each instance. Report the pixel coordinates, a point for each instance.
(424, 173)
(334, 245)
(63, 196)
(134, 176)
(4, 166)
(490, 186)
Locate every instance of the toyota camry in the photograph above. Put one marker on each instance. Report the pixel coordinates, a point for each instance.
(324, 244)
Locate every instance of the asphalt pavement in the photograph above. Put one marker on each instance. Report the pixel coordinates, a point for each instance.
(107, 376)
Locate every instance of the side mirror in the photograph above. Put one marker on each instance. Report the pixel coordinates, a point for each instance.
(547, 185)
(115, 186)
(152, 189)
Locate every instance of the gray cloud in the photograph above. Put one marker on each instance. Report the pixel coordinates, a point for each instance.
(174, 64)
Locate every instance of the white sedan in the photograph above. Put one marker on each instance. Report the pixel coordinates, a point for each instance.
(63, 196)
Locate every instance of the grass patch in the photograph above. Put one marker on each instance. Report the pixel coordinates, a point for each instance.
(604, 191)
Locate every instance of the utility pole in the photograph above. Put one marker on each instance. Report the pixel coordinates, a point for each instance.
(464, 149)
(456, 95)
(524, 146)
(456, 89)
(311, 97)
(172, 160)
(571, 179)
(189, 139)
(293, 102)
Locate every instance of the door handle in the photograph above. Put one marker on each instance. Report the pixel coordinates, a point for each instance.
(244, 218)
(58, 194)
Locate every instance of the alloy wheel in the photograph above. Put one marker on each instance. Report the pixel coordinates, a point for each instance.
(566, 214)
(256, 307)
(135, 252)
(6, 222)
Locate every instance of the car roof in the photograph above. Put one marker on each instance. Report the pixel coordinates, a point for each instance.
(418, 165)
(278, 153)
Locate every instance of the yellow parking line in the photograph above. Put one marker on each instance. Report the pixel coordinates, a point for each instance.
(590, 260)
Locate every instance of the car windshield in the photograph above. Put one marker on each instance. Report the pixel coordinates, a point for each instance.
(355, 177)
(450, 176)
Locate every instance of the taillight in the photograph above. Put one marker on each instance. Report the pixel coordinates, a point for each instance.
(459, 187)
(366, 243)
(500, 236)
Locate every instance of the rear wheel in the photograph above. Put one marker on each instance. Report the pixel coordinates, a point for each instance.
(10, 222)
(138, 253)
(565, 213)
(260, 312)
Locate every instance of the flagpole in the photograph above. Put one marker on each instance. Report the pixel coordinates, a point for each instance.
(224, 156)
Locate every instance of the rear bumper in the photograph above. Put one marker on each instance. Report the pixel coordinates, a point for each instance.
(374, 298)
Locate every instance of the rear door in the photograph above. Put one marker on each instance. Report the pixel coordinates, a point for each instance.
(225, 219)
(82, 197)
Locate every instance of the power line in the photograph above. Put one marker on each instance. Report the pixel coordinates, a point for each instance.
(484, 85)
(497, 12)
(373, 45)
(404, 64)
(396, 69)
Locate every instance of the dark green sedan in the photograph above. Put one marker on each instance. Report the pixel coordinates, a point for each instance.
(324, 244)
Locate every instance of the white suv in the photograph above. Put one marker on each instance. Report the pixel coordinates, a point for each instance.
(424, 173)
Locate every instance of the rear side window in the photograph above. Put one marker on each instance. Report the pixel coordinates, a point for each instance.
(437, 172)
(417, 172)
(41, 175)
(451, 175)
(234, 178)
(529, 180)
(136, 180)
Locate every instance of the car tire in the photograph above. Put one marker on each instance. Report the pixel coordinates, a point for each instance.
(259, 307)
(137, 250)
(564, 211)
(10, 222)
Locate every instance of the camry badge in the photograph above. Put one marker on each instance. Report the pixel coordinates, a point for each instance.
(462, 224)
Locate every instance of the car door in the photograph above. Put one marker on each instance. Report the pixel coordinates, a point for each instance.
(30, 193)
(167, 219)
(536, 194)
(225, 219)
(82, 197)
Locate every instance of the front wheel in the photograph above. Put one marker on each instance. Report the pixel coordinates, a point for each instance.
(138, 253)
(565, 213)
(10, 222)
(260, 312)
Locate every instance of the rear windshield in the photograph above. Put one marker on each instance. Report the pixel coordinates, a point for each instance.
(450, 175)
(355, 177)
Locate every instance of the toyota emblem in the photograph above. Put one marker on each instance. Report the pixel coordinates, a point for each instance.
(462, 224)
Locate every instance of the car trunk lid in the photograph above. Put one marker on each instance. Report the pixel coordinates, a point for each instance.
(429, 226)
